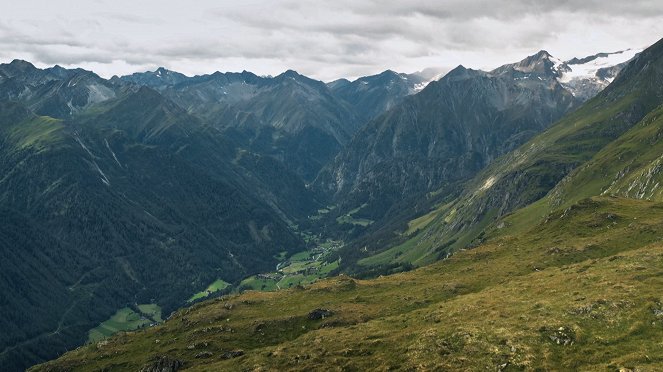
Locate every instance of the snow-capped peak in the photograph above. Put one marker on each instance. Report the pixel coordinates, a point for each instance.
(585, 77)
(558, 64)
(420, 86)
(588, 67)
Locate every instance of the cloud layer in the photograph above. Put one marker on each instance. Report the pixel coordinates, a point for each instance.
(322, 39)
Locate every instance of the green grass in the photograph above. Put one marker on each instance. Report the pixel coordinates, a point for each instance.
(350, 219)
(300, 256)
(424, 249)
(126, 319)
(256, 284)
(298, 266)
(212, 288)
(300, 270)
(328, 267)
(626, 167)
(153, 311)
(321, 213)
(40, 132)
(412, 249)
(423, 221)
(590, 275)
(345, 219)
(294, 280)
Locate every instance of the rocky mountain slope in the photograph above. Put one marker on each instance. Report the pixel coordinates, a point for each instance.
(423, 150)
(297, 120)
(445, 134)
(372, 95)
(608, 146)
(55, 92)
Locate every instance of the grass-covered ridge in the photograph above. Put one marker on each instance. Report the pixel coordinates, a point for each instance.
(580, 290)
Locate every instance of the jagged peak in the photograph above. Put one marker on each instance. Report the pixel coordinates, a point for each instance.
(291, 73)
(162, 71)
(21, 63)
(389, 72)
(541, 63)
(302, 79)
(459, 70)
(338, 83)
(542, 54)
(341, 80)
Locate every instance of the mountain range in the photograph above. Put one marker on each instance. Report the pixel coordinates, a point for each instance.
(440, 138)
(547, 259)
(143, 189)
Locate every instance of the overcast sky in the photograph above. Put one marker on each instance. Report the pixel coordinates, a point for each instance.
(322, 39)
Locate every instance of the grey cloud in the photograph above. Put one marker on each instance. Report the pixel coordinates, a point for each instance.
(507, 9)
(324, 39)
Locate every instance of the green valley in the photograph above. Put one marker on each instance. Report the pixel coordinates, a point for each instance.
(577, 291)
(302, 268)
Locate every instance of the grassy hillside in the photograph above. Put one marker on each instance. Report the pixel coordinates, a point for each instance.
(629, 166)
(580, 290)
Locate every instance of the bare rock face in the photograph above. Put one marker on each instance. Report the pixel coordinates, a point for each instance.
(318, 314)
(232, 354)
(446, 133)
(163, 363)
(563, 336)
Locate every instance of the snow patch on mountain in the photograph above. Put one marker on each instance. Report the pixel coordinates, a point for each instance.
(420, 86)
(589, 69)
(586, 77)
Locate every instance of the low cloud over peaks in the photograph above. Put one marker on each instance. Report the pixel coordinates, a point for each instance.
(325, 40)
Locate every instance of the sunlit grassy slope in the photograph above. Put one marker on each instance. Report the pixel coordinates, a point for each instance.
(579, 290)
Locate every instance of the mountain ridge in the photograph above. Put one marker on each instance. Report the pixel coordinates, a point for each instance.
(180, 185)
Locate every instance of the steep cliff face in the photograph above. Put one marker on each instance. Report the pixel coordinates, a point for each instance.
(445, 134)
